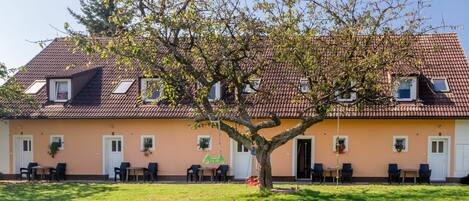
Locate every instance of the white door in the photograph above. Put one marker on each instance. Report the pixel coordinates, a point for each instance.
(438, 159)
(23, 152)
(113, 155)
(242, 161)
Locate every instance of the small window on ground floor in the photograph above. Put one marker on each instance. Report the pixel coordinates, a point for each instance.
(340, 143)
(147, 143)
(204, 142)
(59, 139)
(400, 143)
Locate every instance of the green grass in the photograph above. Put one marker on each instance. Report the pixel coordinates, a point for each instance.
(91, 191)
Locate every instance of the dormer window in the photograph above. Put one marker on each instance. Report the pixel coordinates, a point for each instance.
(60, 90)
(440, 85)
(406, 89)
(123, 86)
(151, 89)
(35, 87)
(215, 92)
(346, 96)
(253, 86)
(304, 86)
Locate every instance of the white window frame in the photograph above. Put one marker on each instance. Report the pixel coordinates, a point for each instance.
(52, 90)
(353, 95)
(142, 140)
(57, 136)
(406, 144)
(334, 139)
(38, 90)
(217, 91)
(446, 83)
(209, 144)
(120, 82)
(413, 89)
(249, 89)
(143, 84)
(306, 82)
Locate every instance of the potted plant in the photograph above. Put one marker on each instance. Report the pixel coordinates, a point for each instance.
(204, 143)
(399, 147)
(340, 145)
(147, 148)
(54, 147)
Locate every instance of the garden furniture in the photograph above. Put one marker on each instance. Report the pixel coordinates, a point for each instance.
(424, 173)
(135, 171)
(43, 171)
(409, 171)
(318, 172)
(221, 173)
(28, 171)
(347, 172)
(58, 172)
(394, 173)
(193, 173)
(151, 172)
(121, 171)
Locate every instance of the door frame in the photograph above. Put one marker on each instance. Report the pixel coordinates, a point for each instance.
(448, 154)
(105, 137)
(294, 151)
(232, 157)
(14, 149)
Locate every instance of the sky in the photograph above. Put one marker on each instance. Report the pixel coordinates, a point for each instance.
(23, 21)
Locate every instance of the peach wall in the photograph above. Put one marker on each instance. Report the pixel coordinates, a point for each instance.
(370, 143)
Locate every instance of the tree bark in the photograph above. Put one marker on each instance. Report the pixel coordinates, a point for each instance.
(264, 169)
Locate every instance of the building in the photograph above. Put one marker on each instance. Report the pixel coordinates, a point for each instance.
(95, 115)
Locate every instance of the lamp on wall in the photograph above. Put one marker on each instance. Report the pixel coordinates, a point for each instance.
(112, 128)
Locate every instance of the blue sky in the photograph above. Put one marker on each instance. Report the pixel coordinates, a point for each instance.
(33, 20)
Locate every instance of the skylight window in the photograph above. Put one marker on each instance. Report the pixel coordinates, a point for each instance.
(304, 86)
(253, 86)
(440, 85)
(35, 87)
(123, 86)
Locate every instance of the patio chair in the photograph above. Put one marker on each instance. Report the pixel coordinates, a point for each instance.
(464, 180)
(58, 172)
(346, 172)
(193, 173)
(221, 173)
(28, 171)
(151, 172)
(317, 172)
(121, 171)
(424, 173)
(394, 173)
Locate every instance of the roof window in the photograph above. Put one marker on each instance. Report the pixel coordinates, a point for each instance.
(440, 85)
(123, 86)
(35, 87)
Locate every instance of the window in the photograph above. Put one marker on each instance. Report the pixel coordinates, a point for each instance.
(123, 86)
(438, 146)
(440, 85)
(35, 87)
(59, 139)
(152, 89)
(253, 86)
(406, 89)
(400, 143)
(116, 146)
(346, 96)
(204, 142)
(60, 90)
(147, 142)
(340, 143)
(304, 86)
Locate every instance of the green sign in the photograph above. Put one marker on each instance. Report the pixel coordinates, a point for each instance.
(213, 160)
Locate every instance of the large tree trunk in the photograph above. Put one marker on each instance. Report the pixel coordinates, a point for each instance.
(264, 169)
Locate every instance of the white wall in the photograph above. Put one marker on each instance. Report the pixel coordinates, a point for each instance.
(461, 166)
(4, 147)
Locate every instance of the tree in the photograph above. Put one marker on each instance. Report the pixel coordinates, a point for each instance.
(95, 17)
(13, 101)
(340, 47)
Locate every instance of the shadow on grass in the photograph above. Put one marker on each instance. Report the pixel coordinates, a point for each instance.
(50, 191)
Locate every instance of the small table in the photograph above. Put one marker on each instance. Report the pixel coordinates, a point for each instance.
(42, 170)
(136, 171)
(332, 173)
(413, 172)
(203, 170)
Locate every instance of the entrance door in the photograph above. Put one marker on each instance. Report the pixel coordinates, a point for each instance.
(113, 154)
(23, 152)
(303, 159)
(242, 161)
(438, 158)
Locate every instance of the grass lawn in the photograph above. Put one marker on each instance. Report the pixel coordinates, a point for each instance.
(90, 191)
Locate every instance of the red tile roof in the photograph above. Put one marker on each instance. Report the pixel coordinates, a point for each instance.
(95, 100)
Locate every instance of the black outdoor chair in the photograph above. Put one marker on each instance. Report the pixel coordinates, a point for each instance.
(347, 172)
(317, 172)
(394, 173)
(221, 173)
(464, 180)
(58, 172)
(193, 173)
(424, 173)
(28, 171)
(151, 172)
(121, 171)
